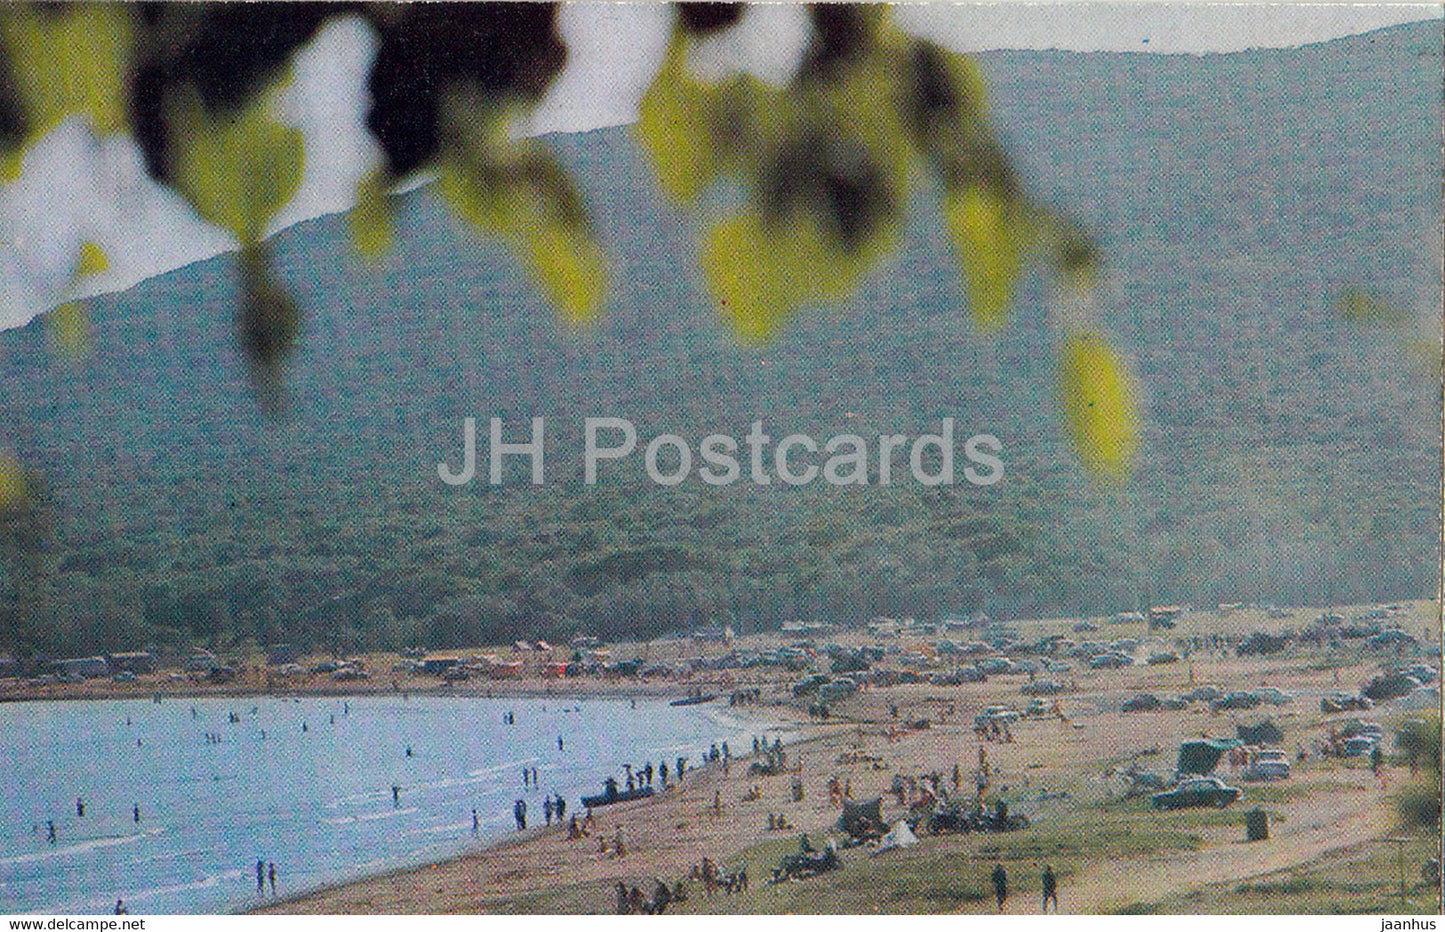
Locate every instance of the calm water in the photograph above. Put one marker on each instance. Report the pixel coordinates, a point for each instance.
(302, 783)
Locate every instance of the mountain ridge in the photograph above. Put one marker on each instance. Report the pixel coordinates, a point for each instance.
(1287, 456)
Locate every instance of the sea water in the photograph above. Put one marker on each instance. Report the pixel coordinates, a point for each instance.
(304, 783)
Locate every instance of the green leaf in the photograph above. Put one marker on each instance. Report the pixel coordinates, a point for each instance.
(67, 60)
(270, 321)
(12, 482)
(370, 219)
(93, 260)
(528, 202)
(1360, 307)
(236, 168)
(990, 235)
(761, 272)
(1099, 400)
(70, 329)
(675, 126)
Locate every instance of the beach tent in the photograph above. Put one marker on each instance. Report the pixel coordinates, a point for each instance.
(1266, 732)
(862, 819)
(1202, 756)
(505, 670)
(899, 836)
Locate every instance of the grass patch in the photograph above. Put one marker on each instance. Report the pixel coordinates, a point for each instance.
(1360, 880)
(1138, 909)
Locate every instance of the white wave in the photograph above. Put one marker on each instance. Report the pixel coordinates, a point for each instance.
(370, 816)
(92, 844)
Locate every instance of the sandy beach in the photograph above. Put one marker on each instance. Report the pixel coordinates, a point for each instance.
(1061, 768)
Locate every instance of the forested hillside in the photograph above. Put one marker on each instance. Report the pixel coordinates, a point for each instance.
(1290, 456)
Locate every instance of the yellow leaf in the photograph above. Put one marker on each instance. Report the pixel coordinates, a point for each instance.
(524, 212)
(67, 60)
(236, 168)
(370, 219)
(70, 329)
(571, 269)
(12, 165)
(1360, 307)
(760, 273)
(989, 235)
(1100, 398)
(12, 482)
(674, 127)
(93, 260)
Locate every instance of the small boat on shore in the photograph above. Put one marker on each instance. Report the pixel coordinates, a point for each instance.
(694, 700)
(614, 795)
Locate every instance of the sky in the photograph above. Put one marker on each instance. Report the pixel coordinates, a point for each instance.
(76, 188)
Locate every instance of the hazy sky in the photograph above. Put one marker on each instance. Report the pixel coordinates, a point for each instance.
(74, 188)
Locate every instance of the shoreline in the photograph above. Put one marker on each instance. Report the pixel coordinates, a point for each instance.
(497, 689)
(520, 842)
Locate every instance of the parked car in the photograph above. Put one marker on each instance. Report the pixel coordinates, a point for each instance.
(1273, 695)
(1360, 729)
(1144, 702)
(995, 713)
(1423, 672)
(1167, 656)
(1268, 764)
(1197, 791)
(1236, 700)
(1359, 747)
(1346, 702)
(810, 685)
(1392, 638)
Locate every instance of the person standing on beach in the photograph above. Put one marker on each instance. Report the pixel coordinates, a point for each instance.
(1000, 885)
(50, 830)
(79, 808)
(396, 797)
(561, 806)
(260, 877)
(136, 813)
(547, 809)
(560, 745)
(519, 812)
(476, 823)
(662, 772)
(271, 874)
(1050, 883)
